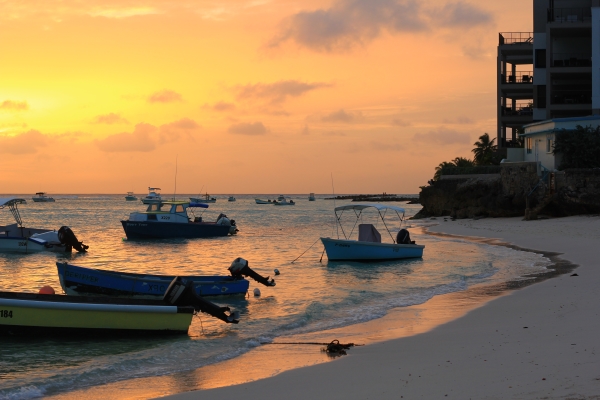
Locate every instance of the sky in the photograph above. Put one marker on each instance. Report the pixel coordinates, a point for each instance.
(237, 96)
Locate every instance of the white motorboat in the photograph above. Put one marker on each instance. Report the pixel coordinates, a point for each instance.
(153, 196)
(311, 197)
(42, 198)
(259, 201)
(17, 238)
(283, 201)
(130, 196)
(369, 246)
(231, 198)
(206, 198)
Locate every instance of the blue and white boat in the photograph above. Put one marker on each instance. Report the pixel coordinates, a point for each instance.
(170, 219)
(77, 280)
(369, 246)
(153, 196)
(17, 238)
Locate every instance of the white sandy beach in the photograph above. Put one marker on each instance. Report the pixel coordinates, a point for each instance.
(538, 342)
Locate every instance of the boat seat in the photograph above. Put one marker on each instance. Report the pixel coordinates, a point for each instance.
(368, 233)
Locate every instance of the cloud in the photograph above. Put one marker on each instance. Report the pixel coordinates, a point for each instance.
(140, 140)
(110, 119)
(461, 15)
(277, 92)
(124, 12)
(400, 122)
(252, 129)
(164, 96)
(183, 128)
(11, 105)
(442, 136)
(351, 23)
(221, 106)
(342, 116)
(305, 130)
(25, 143)
(381, 146)
(462, 120)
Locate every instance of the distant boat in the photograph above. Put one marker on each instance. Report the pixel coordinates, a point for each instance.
(311, 197)
(282, 201)
(153, 196)
(369, 247)
(42, 198)
(231, 198)
(130, 197)
(174, 222)
(259, 201)
(203, 199)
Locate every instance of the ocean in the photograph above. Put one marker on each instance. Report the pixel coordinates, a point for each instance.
(311, 294)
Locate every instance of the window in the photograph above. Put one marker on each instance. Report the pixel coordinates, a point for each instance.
(528, 145)
(540, 96)
(179, 208)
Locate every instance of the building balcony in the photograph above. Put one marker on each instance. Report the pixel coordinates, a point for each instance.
(571, 60)
(519, 77)
(515, 38)
(567, 16)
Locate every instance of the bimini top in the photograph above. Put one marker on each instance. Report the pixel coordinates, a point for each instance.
(362, 206)
(8, 201)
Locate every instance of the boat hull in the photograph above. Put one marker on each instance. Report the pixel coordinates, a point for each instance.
(27, 245)
(165, 230)
(32, 314)
(77, 280)
(352, 250)
(259, 201)
(45, 200)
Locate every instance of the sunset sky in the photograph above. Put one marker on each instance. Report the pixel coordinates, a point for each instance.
(263, 96)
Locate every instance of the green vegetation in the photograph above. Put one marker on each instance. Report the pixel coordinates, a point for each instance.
(580, 148)
(484, 160)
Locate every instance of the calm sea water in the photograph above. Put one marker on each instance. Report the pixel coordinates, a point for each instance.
(310, 295)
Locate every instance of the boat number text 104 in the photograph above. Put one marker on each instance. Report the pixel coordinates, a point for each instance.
(5, 313)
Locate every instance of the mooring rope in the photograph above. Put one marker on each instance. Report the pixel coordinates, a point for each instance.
(305, 251)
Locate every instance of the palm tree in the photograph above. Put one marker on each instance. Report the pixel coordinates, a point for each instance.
(484, 150)
(460, 162)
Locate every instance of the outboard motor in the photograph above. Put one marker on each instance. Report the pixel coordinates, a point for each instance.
(223, 220)
(403, 237)
(68, 238)
(183, 293)
(240, 267)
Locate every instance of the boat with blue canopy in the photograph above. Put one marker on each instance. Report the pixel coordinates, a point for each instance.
(369, 246)
(176, 219)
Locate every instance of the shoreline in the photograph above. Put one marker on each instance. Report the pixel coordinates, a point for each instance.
(255, 375)
(537, 341)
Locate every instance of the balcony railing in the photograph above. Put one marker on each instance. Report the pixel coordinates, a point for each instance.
(518, 77)
(570, 15)
(516, 38)
(571, 60)
(519, 110)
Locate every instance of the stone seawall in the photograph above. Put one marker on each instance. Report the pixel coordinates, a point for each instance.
(508, 194)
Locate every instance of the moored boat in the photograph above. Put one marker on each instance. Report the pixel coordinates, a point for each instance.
(17, 238)
(175, 222)
(283, 201)
(153, 196)
(42, 198)
(259, 201)
(369, 246)
(206, 199)
(130, 197)
(76, 280)
(231, 198)
(41, 315)
(311, 197)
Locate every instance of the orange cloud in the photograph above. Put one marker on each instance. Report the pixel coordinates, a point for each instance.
(442, 136)
(174, 131)
(110, 119)
(141, 139)
(256, 128)
(277, 92)
(11, 105)
(25, 143)
(342, 116)
(165, 96)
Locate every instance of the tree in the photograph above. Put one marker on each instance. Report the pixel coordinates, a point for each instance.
(457, 162)
(484, 150)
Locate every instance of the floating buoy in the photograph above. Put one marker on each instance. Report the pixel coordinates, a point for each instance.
(46, 290)
(256, 292)
(276, 271)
